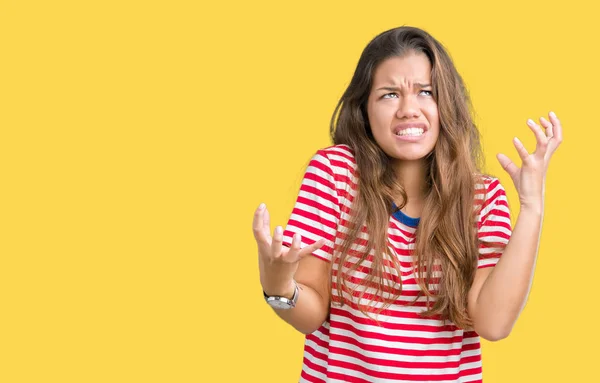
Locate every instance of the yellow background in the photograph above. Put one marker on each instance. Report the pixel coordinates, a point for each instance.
(138, 137)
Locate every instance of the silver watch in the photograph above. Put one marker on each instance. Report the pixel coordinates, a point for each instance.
(282, 303)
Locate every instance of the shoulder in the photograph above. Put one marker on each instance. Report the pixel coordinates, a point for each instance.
(490, 198)
(339, 158)
(488, 188)
(342, 154)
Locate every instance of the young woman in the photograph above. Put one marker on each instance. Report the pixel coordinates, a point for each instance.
(399, 254)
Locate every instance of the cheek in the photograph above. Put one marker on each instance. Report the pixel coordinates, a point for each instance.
(432, 114)
(380, 115)
(379, 123)
(431, 109)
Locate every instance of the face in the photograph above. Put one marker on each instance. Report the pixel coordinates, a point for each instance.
(402, 112)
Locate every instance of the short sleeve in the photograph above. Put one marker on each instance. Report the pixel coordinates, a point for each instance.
(494, 225)
(316, 212)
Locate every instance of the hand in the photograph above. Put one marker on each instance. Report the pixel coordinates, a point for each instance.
(277, 263)
(529, 179)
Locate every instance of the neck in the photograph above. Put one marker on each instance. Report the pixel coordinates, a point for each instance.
(412, 175)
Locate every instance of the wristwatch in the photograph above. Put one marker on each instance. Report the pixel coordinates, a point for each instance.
(282, 303)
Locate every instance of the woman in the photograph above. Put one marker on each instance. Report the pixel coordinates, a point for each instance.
(384, 296)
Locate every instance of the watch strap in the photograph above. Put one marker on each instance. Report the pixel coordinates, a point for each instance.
(282, 302)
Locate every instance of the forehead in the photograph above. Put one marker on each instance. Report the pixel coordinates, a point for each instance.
(413, 67)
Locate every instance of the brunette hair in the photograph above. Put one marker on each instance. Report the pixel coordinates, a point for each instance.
(446, 237)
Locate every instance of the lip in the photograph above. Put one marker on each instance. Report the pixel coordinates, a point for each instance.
(406, 125)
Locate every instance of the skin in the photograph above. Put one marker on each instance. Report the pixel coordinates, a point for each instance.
(401, 96)
(402, 93)
(498, 294)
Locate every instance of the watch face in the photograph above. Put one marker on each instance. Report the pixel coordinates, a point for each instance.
(279, 304)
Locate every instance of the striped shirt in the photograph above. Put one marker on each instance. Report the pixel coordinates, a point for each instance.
(400, 346)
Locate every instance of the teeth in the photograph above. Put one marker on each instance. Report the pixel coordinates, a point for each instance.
(410, 132)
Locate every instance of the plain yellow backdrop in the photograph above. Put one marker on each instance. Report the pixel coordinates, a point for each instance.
(138, 137)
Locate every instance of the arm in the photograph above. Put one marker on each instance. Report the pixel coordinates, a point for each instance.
(498, 294)
(302, 254)
(312, 307)
(281, 267)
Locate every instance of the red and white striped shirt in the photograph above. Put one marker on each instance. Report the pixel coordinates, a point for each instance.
(401, 346)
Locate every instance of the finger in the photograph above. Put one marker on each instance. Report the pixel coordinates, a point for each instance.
(557, 128)
(296, 253)
(267, 225)
(277, 242)
(523, 153)
(541, 139)
(548, 126)
(293, 255)
(312, 248)
(263, 239)
(508, 166)
(258, 223)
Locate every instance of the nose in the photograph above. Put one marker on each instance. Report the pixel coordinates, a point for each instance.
(408, 107)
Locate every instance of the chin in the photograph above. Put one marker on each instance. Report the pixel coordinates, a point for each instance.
(410, 159)
(410, 156)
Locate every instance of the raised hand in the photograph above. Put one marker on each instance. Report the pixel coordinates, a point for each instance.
(530, 178)
(277, 263)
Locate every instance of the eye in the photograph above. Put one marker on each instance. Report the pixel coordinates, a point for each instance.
(427, 93)
(390, 95)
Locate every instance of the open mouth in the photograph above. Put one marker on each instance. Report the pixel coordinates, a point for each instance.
(412, 132)
(414, 129)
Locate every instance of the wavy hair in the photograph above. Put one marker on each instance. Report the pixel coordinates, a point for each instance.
(446, 237)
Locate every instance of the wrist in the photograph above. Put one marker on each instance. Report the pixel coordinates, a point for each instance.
(285, 289)
(535, 208)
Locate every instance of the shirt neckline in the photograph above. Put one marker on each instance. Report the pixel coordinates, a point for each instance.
(403, 218)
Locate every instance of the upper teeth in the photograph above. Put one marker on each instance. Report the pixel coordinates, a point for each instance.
(410, 132)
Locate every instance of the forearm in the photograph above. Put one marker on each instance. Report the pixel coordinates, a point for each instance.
(504, 292)
(310, 312)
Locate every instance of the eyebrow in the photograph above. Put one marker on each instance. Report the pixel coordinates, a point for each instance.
(395, 88)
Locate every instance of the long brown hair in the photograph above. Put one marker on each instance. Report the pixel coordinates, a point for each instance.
(446, 236)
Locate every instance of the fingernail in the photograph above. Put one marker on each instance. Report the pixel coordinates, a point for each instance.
(278, 230)
(261, 206)
(530, 122)
(296, 238)
(553, 114)
(517, 140)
